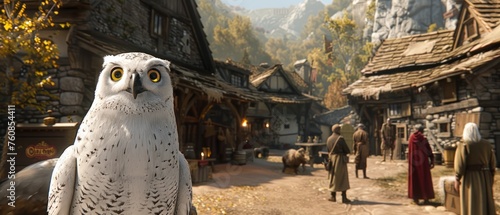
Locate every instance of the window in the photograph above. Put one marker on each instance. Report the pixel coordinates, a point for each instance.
(236, 80)
(401, 132)
(471, 31)
(286, 126)
(274, 82)
(443, 126)
(158, 25)
(399, 109)
(449, 93)
(463, 118)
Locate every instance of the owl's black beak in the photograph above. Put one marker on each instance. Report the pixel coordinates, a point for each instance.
(136, 84)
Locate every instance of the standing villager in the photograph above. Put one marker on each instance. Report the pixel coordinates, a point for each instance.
(388, 134)
(420, 163)
(337, 173)
(361, 149)
(221, 144)
(475, 172)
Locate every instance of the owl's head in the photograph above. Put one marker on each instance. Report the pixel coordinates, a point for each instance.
(134, 77)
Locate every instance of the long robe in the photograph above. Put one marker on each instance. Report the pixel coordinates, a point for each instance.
(419, 172)
(476, 191)
(338, 175)
(361, 148)
(388, 134)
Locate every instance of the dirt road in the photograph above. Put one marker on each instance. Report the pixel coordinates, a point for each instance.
(261, 188)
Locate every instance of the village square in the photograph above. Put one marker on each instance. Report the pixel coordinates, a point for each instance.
(190, 107)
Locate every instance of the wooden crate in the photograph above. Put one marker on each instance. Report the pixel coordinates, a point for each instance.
(451, 197)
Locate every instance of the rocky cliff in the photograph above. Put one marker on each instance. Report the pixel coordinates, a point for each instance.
(397, 18)
(280, 21)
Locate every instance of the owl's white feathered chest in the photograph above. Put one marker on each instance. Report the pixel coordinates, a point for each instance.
(127, 163)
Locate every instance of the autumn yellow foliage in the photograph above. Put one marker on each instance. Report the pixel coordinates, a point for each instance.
(26, 56)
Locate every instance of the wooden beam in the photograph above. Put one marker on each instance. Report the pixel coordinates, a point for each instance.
(469, 103)
(385, 101)
(488, 103)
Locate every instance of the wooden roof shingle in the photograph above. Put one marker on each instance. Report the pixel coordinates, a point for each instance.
(408, 51)
(372, 86)
(487, 10)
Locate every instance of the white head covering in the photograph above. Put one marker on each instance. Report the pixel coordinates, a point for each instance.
(471, 133)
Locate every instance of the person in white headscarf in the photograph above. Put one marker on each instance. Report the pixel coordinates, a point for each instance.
(475, 168)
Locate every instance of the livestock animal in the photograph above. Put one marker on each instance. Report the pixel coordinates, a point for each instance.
(293, 159)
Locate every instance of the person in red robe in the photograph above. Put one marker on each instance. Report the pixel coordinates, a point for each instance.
(420, 163)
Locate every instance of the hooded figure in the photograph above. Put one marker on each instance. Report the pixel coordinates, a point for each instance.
(420, 163)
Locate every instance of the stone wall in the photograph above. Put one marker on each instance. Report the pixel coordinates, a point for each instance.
(67, 101)
(487, 90)
(130, 21)
(397, 18)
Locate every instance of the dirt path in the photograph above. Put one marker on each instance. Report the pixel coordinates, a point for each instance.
(261, 188)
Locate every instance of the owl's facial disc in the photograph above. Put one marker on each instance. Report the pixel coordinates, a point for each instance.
(137, 87)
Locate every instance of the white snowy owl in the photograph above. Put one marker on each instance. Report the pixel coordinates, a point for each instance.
(125, 159)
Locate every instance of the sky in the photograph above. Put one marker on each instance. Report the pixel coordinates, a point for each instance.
(256, 4)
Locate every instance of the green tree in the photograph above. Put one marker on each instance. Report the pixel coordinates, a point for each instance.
(321, 63)
(26, 55)
(231, 35)
(348, 56)
(246, 58)
(370, 12)
(231, 41)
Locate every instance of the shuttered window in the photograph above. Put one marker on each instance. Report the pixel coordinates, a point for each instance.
(463, 118)
(399, 109)
(471, 31)
(449, 87)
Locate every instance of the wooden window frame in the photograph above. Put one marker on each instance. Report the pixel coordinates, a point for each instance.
(163, 25)
(449, 90)
(236, 80)
(401, 128)
(469, 24)
(395, 110)
(444, 128)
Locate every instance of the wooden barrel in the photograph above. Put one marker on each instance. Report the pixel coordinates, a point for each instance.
(229, 154)
(240, 157)
(438, 158)
(449, 157)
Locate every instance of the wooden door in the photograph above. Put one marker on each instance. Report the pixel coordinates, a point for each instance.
(346, 130)
(401, 141)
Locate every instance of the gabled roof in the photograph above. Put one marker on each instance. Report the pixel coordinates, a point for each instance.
(408, 51)
(293, 79)
(392, 70)
(372, 86)
(214, 87)
(476, 18)
(200, 35)
(488, 11)
(465, 59)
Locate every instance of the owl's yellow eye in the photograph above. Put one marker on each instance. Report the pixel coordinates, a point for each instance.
(116, 74)
(154, 75)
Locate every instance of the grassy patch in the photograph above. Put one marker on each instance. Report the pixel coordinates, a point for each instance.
(393, 182)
